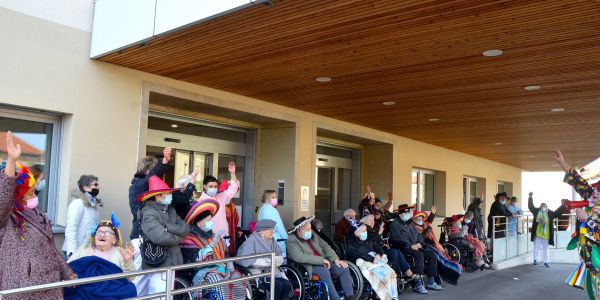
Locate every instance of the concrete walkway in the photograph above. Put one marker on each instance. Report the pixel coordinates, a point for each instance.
(522, 282)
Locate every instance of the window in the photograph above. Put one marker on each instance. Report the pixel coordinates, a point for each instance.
(470, 191)
(423, 189)
(39, 136)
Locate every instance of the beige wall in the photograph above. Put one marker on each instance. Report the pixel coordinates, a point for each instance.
(46, 66)
(378, 169)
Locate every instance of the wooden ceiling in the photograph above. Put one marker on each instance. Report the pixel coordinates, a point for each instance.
(424, 55)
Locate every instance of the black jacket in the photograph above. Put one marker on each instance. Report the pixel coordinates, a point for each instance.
(496, 210)
(360, 249)
(139, 184)
(403, 235)
(551, 215)
(182, 200)
(477, 219)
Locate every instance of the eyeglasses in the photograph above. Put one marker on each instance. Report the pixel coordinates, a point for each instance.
(104, 233)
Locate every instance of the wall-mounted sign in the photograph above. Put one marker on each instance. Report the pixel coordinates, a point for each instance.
(280, 191)
(304, 192)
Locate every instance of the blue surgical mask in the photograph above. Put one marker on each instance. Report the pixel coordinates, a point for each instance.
(41, 185)
(168, 199)
(208, 226)
(467, 221)
(211, 191)
(503, 202)
(420, 222)
(308, 235)
(363, 236)
(406, 217)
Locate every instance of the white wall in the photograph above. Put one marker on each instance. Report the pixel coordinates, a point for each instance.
(73, 13)
(547, 187)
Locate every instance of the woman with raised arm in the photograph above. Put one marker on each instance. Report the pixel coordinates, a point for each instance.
(29, 256)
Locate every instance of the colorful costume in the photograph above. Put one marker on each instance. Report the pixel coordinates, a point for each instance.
(587, 235)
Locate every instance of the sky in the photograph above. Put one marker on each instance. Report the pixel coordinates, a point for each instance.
(37, 140)
(547, 187)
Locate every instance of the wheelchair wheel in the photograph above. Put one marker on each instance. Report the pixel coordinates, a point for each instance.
(298, 291)
(357, 279)
(453, 252)
(181, 283)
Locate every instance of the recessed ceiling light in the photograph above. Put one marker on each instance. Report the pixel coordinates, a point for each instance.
(323, 79)
(174, 125)
(498, 143)
(557, 110)
(531, 88)
(433, 120)
(389, 103)
(492, 52)
(531, 156)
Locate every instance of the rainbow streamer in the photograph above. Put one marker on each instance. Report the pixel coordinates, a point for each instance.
(577, 277)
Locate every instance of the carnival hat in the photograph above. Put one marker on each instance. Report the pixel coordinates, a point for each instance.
(301, 222)
(456, 218)
(201, 210)
(402, 208)
(419, 213)
(155, 187)
(113, 224)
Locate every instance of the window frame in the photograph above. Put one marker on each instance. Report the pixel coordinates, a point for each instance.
(56, 120)
(421, 181)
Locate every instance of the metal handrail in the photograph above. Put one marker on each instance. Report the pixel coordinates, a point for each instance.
(169, 270)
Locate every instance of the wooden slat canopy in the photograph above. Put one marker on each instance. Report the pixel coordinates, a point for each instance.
(424, 55)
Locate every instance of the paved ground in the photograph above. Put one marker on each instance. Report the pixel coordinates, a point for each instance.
(522, 282)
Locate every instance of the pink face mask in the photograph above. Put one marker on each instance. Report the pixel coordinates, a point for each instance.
(32, 203)
(274, 201)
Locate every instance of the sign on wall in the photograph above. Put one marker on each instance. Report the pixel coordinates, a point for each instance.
(280, 191)
(304, 192)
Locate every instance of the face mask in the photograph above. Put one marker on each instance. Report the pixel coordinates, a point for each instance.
(41, 185)
(94, 192)
(363, 236)
(274, 201)
(168, 199)
(420, 223)
(503, 202)
(32, 203)
(406, 217)
(544, 209)
(208, 226)
(308, 235)
(211, 191)
(467, 221)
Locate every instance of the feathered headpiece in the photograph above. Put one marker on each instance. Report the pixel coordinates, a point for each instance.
(113, 224)
(25, 182)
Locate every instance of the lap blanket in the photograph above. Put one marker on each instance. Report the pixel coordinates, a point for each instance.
(91, 266)
(448, 270)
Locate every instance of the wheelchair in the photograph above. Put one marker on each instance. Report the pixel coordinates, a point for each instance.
(183, 279)
(462, 255)
(305, 288)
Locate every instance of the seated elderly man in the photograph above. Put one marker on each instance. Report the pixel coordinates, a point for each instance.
(344, 225)
(405, 237)
(313, 253)
(262, 241)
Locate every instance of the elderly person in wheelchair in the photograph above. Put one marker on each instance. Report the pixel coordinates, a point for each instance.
(202, 244)
(460, 237)
(314, 254)
(262, 241)
(370, 258)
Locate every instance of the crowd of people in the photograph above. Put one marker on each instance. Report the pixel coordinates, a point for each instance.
(172, 227)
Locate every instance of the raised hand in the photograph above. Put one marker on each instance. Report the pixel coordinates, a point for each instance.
(558, 156)
(231, 167)
(433, 209)
(13, 153)
(127, 253)
(166, 155)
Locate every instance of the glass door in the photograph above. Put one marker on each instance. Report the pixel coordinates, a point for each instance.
(470, 191)
(324, 197)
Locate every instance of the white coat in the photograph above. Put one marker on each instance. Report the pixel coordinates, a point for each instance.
(81, 218)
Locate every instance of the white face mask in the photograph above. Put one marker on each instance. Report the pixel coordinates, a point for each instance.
(467, 221)
(211, 191)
